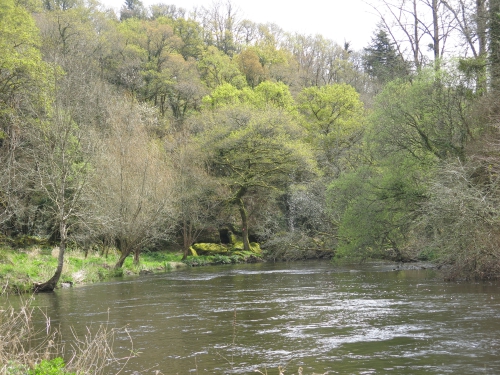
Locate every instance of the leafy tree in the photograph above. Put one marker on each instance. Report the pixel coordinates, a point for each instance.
(190, 32)
(251, 66)
(334, 118)
(23, 74)
(428, 117)
(26, 88)
(255, 153)
(265, 94)
(224, 95)
(216, 68)
(375, 209)
(275, 94)
(196, 194)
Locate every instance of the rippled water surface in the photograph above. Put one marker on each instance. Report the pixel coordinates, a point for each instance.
(237, 319)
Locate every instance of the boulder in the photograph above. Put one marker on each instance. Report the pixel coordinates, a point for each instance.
(209, 249)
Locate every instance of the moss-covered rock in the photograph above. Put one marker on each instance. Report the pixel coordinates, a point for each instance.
(209, 248)
(255, 248)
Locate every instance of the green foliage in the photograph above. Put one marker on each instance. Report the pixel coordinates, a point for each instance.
(222, 259)
(375, 209)
(50, 367)
(266, 94)
(217, 68)
(428, 118)
(22, 70)
(334, 119)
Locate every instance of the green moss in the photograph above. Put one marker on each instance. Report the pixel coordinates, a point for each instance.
(255, 248)
(238, 245)
(233, 238)
(193, 252)
(209, 248)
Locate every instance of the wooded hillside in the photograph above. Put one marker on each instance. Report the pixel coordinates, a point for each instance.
(144, 129)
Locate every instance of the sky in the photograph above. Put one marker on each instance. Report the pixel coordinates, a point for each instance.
(353, 21)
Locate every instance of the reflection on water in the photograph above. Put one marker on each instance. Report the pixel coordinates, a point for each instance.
(309, 314)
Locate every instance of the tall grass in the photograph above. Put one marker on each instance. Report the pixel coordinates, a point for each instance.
(25, 349)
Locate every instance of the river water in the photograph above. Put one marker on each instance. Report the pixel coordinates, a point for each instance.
(237, 319)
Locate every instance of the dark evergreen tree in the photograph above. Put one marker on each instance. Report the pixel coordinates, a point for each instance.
(382, 61)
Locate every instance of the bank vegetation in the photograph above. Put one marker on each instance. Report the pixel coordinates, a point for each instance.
(159, 128)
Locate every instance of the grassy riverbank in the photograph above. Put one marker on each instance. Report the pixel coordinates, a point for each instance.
(21, 268)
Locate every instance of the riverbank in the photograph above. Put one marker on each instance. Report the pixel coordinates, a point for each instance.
(20, 269)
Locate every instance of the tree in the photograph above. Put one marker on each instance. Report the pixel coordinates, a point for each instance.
(26, 87)
(375, 209)
(472, 22)
(132, 9)
(494, 45)
(23, 74)
(458, 224)
(132, 194)
(196, 194)
(381, 59)
(216, 68)
(61, 153)
(255, 153)
(251, 67)
(220, 24)
(334, 117)
(410, 26)
(428, 118)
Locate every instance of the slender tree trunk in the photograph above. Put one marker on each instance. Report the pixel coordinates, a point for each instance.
(244, 225)
(416, 47)
(186, 240)
(481, 25)
(51, 284)
(435, 21)
(495, 44)
(238, 199)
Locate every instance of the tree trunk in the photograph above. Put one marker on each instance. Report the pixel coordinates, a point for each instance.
(186, 239)
(244, 225)
(51, 284)
(416, 46)
(123, 256)
(495, 44)
(435, 21)
(137, 253)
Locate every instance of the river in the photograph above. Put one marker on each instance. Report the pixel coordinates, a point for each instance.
(238, 319)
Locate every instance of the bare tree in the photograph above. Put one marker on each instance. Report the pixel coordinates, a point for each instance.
(132, 194)
(197, 195)
(415, 25)
(60, 154)
(221, 24)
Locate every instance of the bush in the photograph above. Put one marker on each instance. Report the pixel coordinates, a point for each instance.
(50, 367)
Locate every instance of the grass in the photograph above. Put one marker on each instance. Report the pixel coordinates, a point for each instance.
(25, 349)
(21, 268)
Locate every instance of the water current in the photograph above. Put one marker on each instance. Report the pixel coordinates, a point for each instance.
(365, 319)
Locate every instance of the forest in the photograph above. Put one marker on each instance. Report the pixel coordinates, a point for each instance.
(150, 128)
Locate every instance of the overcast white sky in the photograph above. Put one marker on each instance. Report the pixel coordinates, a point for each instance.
(339, 20)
